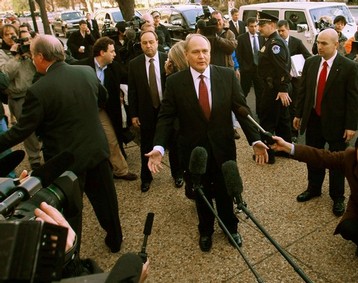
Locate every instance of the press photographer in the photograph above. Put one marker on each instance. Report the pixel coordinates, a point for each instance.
(222, 40)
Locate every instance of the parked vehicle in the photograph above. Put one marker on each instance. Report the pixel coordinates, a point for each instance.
(303, 17)
(66, 23)
(354, 11)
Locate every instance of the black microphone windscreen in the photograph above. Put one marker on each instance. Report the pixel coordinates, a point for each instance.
(53, 168)
(10, 161)
(198, 160)
(243, 111)
(148, 224)
(232, 178)
(200, 24)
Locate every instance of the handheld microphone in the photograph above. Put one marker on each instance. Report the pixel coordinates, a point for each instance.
(267, 136)
(53, 168)
(147, 231)
(10, 161)
(197, 165)
(233, 182)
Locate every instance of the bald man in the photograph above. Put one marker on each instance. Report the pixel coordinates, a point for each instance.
(327, 110)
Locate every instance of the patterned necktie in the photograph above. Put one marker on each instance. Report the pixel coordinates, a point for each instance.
(237, 27)
(153, 84)
(204, 97)
(320, 88)
(256, 50)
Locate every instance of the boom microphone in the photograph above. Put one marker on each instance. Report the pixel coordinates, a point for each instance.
(233, 181)
(197, 165)
(10, 161)
(53, 168)
(267, 136)
(147, 231)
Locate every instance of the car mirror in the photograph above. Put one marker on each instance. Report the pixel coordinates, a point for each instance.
(177, 22)
(302, 27)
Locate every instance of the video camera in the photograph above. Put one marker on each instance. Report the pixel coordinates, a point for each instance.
(33, 251)
(23, 47)
(206, 24)
(323, 24)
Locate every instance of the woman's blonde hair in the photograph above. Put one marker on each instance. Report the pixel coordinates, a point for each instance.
(176, 54)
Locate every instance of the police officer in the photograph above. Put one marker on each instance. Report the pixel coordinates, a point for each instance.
(274, 68)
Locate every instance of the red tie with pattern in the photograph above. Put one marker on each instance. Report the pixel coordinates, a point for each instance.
(204, 97)
(320, 88)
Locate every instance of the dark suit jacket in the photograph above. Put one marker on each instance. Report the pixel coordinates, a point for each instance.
(216, 136)
(296, 46)
(339, 108)
(113, 77)
(232, 27)
(244, 51)
(94, 28)
(62, 108)
(139, 98)
(344, 161)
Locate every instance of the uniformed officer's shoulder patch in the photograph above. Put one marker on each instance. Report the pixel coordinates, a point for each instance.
(276, 49)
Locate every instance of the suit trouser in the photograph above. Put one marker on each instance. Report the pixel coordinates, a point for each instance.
(247, 78)
(314, 138)
(31, 144)
(118, 162)
(349, 230)
(101, 192)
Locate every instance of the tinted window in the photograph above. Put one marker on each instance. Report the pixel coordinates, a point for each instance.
(71, 16)
(294, 18)
(272, 12)
(331, 12)
(249, 14)
(117, 16)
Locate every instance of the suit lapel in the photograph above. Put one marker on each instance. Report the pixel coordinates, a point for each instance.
(333, 72)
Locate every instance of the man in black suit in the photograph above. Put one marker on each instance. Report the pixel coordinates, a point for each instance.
(248, 46)
(295, 46)
(236, 26)
(208, 124)
(110, 114)
(327, 109)
(93, 26)
(144, 97)
(62, 108)
(80, 42)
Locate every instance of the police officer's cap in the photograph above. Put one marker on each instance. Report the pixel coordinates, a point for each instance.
(266, 18)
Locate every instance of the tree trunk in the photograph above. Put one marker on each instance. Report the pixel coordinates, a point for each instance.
(127, 8)
(43, 12)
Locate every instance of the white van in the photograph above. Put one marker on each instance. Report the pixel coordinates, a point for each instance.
(303, 17)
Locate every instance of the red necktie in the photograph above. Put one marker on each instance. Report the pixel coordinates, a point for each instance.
(204, 97)
(320, 88)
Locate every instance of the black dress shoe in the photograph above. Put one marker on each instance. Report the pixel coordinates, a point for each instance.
(307, 195)
(237, 238)
(189, 192)
(145, 186)
(114, 246)
(338, 207)
(179, 182)
(205, 243)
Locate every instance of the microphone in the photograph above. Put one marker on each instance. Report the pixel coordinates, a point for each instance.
(147, 231)
(197, 165)
(267, 136)
(233, 181)
(10, 161)
(53, 168)
(200, 24)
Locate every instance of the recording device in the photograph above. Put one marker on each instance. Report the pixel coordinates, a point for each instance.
(206, 24)
(323, 24)
(147, 231)
(32, 251)
(233, 182)
(23, 47)
(9, 162)
(265, 135)
(197, 166)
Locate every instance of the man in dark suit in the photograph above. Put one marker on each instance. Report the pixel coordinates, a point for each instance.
(295, 46)
(236, 26)
(207, 123)
(146, 82)
(247, 55)
(62, 108)
(327, 109)
(92, 26)
(111, 76)
(80, 42)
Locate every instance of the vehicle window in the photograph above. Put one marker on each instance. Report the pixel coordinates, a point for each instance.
(71, 16)
(332, 11)
(176, 19)
(272, 12)
(191, 15)
(117, 16)
(294, 18)
(248, 14)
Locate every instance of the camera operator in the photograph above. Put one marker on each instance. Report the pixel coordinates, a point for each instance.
(129, 267)
(16, 63)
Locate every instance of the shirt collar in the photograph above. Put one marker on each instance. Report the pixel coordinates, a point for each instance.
(98, 66)
(155, 57)
(196, 74)
(330, 60)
